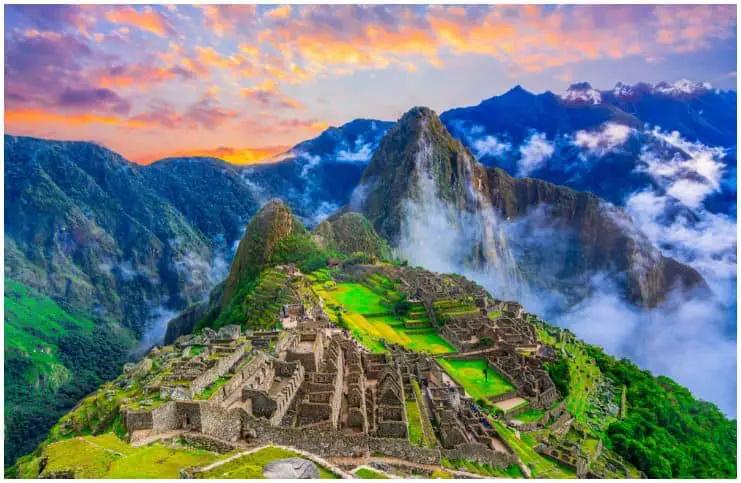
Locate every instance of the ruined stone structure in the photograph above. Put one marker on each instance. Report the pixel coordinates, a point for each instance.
(313, 386)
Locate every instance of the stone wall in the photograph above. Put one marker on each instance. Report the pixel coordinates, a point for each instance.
(220, 368)
(480, 453)
(138, 420)
(242, 376)
(401, 448)
(503, 397)
(165, 416)
(221, 423)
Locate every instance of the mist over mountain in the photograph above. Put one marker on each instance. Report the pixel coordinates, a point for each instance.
(559, 251)
(612, 211)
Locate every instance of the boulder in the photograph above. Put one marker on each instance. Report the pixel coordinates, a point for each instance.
(174, 393)
(293, 468)
(229, 332)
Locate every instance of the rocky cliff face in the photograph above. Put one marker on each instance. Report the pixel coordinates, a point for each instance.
(562, 236)
(427, 194)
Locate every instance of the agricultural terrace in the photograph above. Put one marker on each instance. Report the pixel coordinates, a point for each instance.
(583, 374)
(106, 456)
(448, 308)
(540, 466)
(367, 310)
(477, 377)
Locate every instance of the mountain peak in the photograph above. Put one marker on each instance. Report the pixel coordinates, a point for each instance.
(416, 156)
(582, 93)
(273, 223)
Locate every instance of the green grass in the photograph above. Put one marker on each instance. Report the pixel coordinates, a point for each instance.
(362, 307)
(428, 434)
(358, 298)
(157, 461)
(210, 390)
(530, 416)
(416, 436)
(34, 325)
(512, 471)
(106, 456)
(540, 467)
(470, 375)
(251, 466)
(368, 474)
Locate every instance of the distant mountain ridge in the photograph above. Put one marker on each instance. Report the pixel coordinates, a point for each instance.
(427, 195)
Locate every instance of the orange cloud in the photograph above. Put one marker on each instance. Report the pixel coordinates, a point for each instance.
(224, 18)
(268, 95)
(38, 116)
(147, 19)
(240, 156)
(282, 11)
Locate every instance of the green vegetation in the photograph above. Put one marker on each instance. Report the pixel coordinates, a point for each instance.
(106, 456)
(512, 471)
(666, 432)
(212, 388)
(540, 467)
(368, 474)
(351, 233)
(250, 466)
(530, 416)
(257, 301)
(366, 310)
(428, 434)
(359, 299)
(559, 372)
(471, 375)
(53, 357)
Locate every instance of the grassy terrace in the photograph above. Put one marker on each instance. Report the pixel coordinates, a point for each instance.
(470, 375)
(512, 471)
(250, 466)
(368, 315)
(211, 389)
(540, 467)
(368, 474)
(530, 416)
(106, 456)
(583, 373)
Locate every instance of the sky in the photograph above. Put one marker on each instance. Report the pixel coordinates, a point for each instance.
(245, 82)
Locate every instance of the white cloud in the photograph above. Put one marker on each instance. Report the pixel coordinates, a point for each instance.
(490, 146)
(691, 174)
(607, 139)
(533, 153)
(361, 152)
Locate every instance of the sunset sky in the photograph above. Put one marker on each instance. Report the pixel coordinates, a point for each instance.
(245, 82)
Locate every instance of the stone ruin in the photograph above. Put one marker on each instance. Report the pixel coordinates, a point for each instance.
(313, 378)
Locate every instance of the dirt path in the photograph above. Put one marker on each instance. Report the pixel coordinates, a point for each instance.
(365, 460)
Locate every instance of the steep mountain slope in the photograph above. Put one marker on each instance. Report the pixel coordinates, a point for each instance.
(350, 233)
(209, 192)
(646, 423)
(429, 197)
(82, 224)
(262, 243)
(53, 357)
